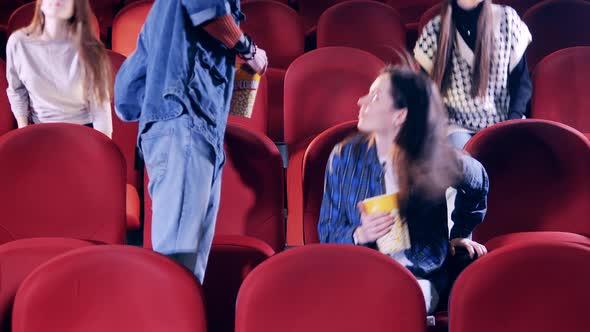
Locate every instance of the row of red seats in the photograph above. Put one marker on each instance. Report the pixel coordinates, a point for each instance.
(310, 10)
(365, 32)
(75, 179)
(369, 24)
(56, 284)
(72, 184)
(228, 242)
(321, 89)
(539, 180)
(383, 41)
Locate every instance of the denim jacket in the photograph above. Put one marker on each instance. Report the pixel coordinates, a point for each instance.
(178, 67)
(354, 173)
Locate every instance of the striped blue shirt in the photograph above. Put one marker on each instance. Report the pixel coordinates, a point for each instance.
(354, 173)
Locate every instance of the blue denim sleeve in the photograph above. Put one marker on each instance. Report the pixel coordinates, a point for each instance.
(130, 83)
(472, 198)
(334, 226)
(201, 11)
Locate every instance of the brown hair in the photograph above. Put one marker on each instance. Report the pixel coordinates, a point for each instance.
(425, 160)
(484, 46)
(96, 66)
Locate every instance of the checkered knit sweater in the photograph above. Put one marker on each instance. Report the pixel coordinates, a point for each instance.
(511, 38)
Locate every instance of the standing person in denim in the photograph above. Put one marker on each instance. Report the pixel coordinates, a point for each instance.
(178, 85)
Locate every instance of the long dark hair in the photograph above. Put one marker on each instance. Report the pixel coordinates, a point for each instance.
(425, 160)
(96, 66)
(484, 46)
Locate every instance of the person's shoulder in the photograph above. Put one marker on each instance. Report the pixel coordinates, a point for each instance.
(506, 12)
(18, 37)
(354, 143)
(350, 146)
(505, 9)
(434, 24)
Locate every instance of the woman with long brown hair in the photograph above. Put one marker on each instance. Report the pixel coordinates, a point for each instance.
(57, 70)
(403, 149)
(474, 51)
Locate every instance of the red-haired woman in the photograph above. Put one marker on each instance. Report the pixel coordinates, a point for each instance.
(57, 70)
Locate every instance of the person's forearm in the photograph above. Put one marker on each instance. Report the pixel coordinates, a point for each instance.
(22, 121)
(471, 199)
(224, 29)
(520, 90)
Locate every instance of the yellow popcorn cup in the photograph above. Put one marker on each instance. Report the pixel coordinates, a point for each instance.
(245, 87)
(381, 203)
(398, 238)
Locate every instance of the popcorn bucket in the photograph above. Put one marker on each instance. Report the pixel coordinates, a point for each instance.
(245, 87)
(398, 238)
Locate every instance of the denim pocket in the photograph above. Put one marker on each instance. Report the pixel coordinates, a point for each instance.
(155, 145)
(205, 59)
(208, 83)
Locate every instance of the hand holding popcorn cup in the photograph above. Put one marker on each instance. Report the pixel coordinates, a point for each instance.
(398, 238)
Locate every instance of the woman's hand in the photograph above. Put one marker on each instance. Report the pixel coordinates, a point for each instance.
(471, 246)
(373, 226)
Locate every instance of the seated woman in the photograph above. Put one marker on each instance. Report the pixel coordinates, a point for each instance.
(475, 52)
(403, 149)
(57, 70)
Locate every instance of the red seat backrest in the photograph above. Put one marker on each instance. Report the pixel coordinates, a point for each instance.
(127, 25)
(6, 9)
(314, 169)
(310, 11)
(231, 259)
(555, 25)
(539, 175)
(322, 88)
(276, 28)
(530, 287)
(560, 85)
(61, 180)
(105, 11)
(252, 188)
(330, 287)
(363, 24)
(110, 288)
(411, 10)
(18, 259)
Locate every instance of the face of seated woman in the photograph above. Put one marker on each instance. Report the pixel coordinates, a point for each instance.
(377, 112)
(58, 9)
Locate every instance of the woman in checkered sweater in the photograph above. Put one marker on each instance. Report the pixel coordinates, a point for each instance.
(474, 50)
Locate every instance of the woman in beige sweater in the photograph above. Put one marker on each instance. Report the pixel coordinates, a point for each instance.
(57, 70)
